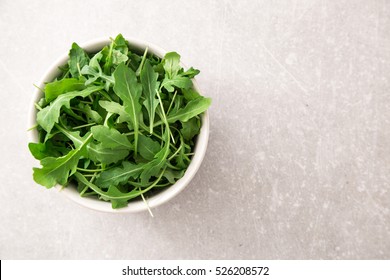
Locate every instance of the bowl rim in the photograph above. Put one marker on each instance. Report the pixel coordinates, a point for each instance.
(133, 206)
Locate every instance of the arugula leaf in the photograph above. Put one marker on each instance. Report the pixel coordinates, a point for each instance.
(91, 114)
(119, 175)
(118, 57)
(116, 203)
(192, 109)
(57, 170)
(95, 72)
(120, 44)
(171, 63)
(117, 53)
(110, 137)
(174, 78)
(177, 81)
(56, 88)
(148, 148)
(190, 128)
(39, 150)
(190, 94)
(191, 73)
(152, 168)
(129, 90)
(181, 160)
(78, 58)
(150, 87)
(49, 115)
(115, 108)
(113, 194)
(100, 154)
(173, 175)
(97, 153)
(177, 103)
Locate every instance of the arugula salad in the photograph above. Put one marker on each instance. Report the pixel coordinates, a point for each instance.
(117, 124)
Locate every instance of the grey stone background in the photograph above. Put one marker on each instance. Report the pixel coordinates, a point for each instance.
(298, 164)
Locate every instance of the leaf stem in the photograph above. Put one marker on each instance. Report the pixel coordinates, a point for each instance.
(71, 113)
(146, 203)
(91, 170)
(86, 102)
(177, 151)
(170, 105)
(38, 88)
(105, 94)
(37, 106)
(78, 68)
(83, 191)
(106, 119)
(33, 127)
(138, 72)
(93, 177)
(173, 167)
(84, 125)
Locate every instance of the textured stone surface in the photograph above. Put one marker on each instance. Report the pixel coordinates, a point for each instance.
(298, 164)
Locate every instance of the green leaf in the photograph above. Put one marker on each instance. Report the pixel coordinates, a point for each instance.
(173, 77)
(94, 63)
(178, 103)
(100, 154)
(152, 168)
(115, 108)
(118, 57)
(148, 148)
(171, 64)
(74, 136)
(94, 72)
(116, 203)
(110, 137)
(177, 81)
(50, 114)
(190, 128)
(120, 44)
(57, 170)
(134, 61)
(38, 150)
(97, 153)
(78, 58)
(150, 87)
(191, 73)
(181, 159)
(190, 94)
(173, 175)
(129, 90)
(116, 54)
(118, 199)
(192, 109)
(91, 114)
(119, 175)
(56, 88)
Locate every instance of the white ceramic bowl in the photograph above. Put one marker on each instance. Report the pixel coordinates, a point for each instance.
(138, 205)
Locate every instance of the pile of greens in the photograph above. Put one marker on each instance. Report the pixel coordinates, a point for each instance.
(118, 124)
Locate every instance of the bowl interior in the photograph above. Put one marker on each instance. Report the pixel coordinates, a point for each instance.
(162, 196)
